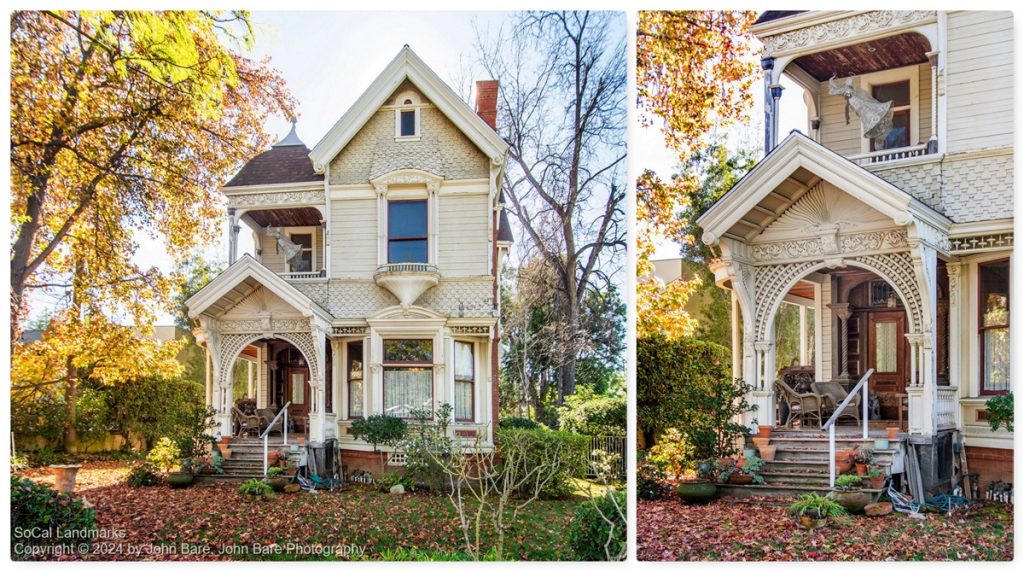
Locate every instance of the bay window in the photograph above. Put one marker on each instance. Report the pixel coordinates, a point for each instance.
(408, 376)
(994, 325)
(465, 374)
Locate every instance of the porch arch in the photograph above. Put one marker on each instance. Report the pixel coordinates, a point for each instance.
(233, 344)
(896, 269)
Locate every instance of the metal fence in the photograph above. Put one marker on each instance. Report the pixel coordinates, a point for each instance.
(603, 446)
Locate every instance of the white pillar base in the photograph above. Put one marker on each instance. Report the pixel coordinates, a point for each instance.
(917, 410)
(765, 413)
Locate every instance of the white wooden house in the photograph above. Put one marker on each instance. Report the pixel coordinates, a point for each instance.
(898, 248)
(373, 287)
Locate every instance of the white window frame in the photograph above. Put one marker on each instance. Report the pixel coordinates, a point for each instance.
(475, 381)
(314, 245)
(414, 105)
(909, 74)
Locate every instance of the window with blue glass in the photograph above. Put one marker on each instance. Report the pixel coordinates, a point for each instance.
(407, 124)
(407, 231)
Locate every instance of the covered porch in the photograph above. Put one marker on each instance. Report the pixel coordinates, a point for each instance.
(834, 272)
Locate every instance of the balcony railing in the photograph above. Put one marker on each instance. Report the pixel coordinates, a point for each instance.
(303, 275)
(407, 280)
(406, 267)
(887, 155)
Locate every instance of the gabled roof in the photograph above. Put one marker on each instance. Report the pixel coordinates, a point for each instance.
(287, 161)
(238, 281)
(408, 66)
(799, 161)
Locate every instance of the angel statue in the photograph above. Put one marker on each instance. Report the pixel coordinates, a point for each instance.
(875, 116)
(290, 249)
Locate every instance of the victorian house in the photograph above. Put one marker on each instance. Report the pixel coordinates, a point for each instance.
(373, 285)
(887, 223)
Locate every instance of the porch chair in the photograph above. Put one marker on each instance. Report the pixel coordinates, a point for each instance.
(832, 394)
(250, 425)
(802, 406)
(267, 416)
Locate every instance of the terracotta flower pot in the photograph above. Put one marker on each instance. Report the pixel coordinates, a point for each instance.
(764, 431)
(809, 522)
(760, 442)
(877, 482)
(862, 470)
(225, 450)
(740, 479)
(768, 452)
(892, 433)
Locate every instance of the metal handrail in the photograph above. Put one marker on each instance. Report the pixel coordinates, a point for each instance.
(861, 386)
(266, 433)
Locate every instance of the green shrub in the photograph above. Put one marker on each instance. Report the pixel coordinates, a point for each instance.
(36, 508)
(817, 507)
(142, 475)
(275, 471)
(165, 454)
(687, 383)
(564, 453)
(518, 423)
(999, 412)
(426, 446)
(598, 528)
(389, 479)
(589, 414)
(255, 488)
(848, 481)
(195, 434)
(650, 481)
(379, 430)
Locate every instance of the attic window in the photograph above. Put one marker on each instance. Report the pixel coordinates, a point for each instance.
(407, 127)
(407, 118)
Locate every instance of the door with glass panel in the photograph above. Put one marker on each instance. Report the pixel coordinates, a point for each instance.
(887, 351)
(297, 388)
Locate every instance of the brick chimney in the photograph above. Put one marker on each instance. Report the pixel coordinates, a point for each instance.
(487, 101)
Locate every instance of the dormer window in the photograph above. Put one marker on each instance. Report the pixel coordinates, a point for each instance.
(407, 118)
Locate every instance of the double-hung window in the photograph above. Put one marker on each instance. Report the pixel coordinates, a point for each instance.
(994, 325)
(465, 376)
(304, 263)
(407, 231)
(899, 94)
(355, 380)
(408, 376)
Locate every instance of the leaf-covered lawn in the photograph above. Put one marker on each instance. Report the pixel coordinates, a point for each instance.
(731, 531)
(208, 522)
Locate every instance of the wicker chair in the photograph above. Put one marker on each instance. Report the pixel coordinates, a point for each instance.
(250, 425)
(832, 394)
(802, 406)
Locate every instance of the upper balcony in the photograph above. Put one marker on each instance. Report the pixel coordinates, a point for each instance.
(288, 241)
(868, 80)
(407, 280)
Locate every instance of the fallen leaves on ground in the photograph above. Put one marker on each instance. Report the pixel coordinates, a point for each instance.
(763, 530)
(211, 522)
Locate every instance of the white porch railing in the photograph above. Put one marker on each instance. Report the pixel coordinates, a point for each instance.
(861, 386)
(945, 407)
(301, 275)
(886, 155)
(266, 433)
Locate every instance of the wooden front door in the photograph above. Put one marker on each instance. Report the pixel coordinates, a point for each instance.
(887, 351)
(297, 391)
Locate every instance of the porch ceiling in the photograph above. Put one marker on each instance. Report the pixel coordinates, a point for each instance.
(772, 205)
(867, 57)
(302, 216)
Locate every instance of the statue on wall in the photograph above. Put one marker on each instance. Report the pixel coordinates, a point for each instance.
(290, 249)
(875, 116)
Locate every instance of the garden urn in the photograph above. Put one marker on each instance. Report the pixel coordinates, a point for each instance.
(696, 492)
(180, 479)
(853, 501)
(65, 476)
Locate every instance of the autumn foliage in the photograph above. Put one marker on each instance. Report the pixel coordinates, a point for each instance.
(694, 74)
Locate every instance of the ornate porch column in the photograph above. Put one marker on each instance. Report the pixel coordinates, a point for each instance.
(933, 141)
(765, 384)
(954, 340)
(318, 417)
(919, 408)
(233, 229)
(843, 311)
(737, 342)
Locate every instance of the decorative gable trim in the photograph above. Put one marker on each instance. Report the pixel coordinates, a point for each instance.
(247, 267)
(798, 151)
(408, 66)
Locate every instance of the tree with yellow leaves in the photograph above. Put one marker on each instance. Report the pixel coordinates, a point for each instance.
(694, 72)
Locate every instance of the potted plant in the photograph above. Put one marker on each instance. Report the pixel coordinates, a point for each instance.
(702, 488)
(289, 468)
(881, 444)
(255, 489)
(761, 442)
(768, 452)
(276, 479)
(892, 433)
(752, 470)
(224, 446)
(848, 493)
(876, 478)
(764, 431)
(813, 510)
(183, 477)
(861, 459)
(844, 460)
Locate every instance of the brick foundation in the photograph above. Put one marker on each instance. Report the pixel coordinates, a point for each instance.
(990, 465)
(368, 461)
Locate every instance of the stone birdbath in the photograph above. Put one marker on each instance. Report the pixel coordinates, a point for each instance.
(65, 477)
